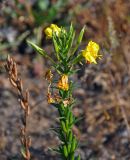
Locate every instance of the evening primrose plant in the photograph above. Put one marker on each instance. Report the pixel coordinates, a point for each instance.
(60, 91)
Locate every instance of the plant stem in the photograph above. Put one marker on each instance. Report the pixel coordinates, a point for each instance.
(68, 140)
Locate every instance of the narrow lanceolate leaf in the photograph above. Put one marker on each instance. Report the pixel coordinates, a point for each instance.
(77, 59)
(79, 40)
(67, 124)
(63, 126)
(71, 118)
(65, 151)
(56, 46)
(54, 149)
(74, 144)
(70, 38)
(40, 51)
(81, 35)
(37, 48)
(67, 113)
(70, 137)
(69, 148)
(77, 119)
(61, 137)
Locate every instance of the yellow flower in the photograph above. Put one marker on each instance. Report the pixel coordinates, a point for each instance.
(91, 52)
(53, 28)
(63, 83)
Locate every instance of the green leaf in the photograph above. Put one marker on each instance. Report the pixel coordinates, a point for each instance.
(63, 127)
(79, 40)
(61, 93)
(56, 46)
(74, 144)
(68, 112)
(71, 118)
(74, 71)
(61, 136)
(69, 147)
(56, 105)
(81, 35)
(37, 48)
(54, 149)
(65, 151)
(62, 57)
(77, 59)
(60, 111)
(40, 51)
(59, 68)
(61, 118)
(70, 39)
(77, 119)
(23, 151)
(67, 124)
(70, 136)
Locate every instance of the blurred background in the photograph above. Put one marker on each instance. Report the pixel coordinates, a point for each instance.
(103, 92)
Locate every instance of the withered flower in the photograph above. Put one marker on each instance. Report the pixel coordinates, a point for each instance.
(63, 83)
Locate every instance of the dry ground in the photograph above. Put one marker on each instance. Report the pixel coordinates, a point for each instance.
(103, 92)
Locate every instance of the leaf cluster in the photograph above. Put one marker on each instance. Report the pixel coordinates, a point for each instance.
(64, 50)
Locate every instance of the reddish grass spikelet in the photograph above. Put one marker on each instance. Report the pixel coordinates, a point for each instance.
(16, 82)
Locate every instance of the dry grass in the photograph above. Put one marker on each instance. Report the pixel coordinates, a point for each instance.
(23, 99)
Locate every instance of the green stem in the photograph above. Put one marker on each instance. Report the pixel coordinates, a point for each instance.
(69, 142)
